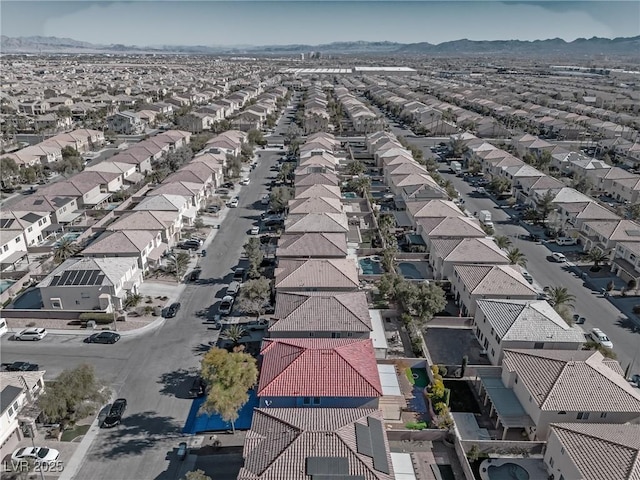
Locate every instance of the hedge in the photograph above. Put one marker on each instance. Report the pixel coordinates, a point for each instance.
(98, 317)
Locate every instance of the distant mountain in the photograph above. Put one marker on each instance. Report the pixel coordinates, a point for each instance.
(552, 47)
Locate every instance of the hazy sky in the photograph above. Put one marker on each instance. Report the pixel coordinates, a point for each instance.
(160, 22)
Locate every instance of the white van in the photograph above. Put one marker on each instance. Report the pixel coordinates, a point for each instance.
(3, 327)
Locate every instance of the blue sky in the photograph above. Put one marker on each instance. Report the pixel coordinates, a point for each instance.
(160, 22)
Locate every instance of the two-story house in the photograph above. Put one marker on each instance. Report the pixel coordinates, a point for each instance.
(316, 275)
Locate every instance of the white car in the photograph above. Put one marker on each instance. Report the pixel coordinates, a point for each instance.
(245, 181)
(265, 200)
(566, 241)
(558, 257)
(31, 334)
(598, 336)
(255, 230)
(226, 305)
(233, 203)
(37, 454)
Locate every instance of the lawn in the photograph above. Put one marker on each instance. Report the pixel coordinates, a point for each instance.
(79, 430)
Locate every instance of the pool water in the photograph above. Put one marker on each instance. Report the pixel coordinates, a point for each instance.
(72, 236)
(507, 471)
(5, 284)
(409, 271)
(370, 266)
(198, 421)
(349, 195)
(420, 377)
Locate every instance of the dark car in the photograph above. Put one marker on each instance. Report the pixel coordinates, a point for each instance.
(103, 337)
(189, 245)
(172, 311)
(114, 417)
(238, 275)
(227, 185)
(182, 451)
(198, 388)
(21, 367)
(194, 275)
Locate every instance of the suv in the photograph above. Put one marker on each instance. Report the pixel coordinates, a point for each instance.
(189, 245)
(31, 334)
(558, 257)
(527, 276)
(566, 241)
(261, 324)
(598, 336)
(114, 417)
(232, 289)
(238, 275)
(226, 305)
(172, 311)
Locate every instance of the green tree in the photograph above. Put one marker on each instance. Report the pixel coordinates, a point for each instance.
(389, 257)
(73, 395)
(221, 126)
(387, 285)
(430, 300)
(285, 175)
(355, 168)
(198, 223)
(606, 352)
(254, 296)
(69, 165)
(253, 251)
(233, 166)
(596, 256)
(633, 211)
(246, 152)
(198, 142)
(457, 147)
(502, 241)
(68, 152)
(516, 257)
(65, 248)
(234, 334)
(132, 300)
(544, 205)
(360, 185)
(500, 185)
(560, 297)
(8, 170)
(584, 185)
(229, 376)
(196, 475)
(279, 198)
(255, 137)
(178, 264)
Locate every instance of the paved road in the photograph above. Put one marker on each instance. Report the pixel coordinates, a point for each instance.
(152, 372)
(598, 311)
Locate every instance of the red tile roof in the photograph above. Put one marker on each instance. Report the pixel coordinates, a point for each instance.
(319, 367)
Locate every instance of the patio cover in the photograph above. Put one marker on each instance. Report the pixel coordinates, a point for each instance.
(468, 427)
(402, 466)
(13, 258)
(98, 199)
(506, 404)
(402, 219)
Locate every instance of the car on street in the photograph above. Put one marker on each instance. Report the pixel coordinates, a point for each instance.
(103, 337)
(264, 200)
(189, 245)
(599, 336)
(255, 230)
(226, 305)
(481, 191)
(245, 181)
(172, 311)
(182, 451)
(36, 454)
(198, 387)
(194, 275)
(20, 367)
(635, 379)
(213, 209)
(114, 417)
(233, 203)
(527, 276)
(239, 274)
(227, 185)
(558, 257)
(578, 319)
(566, 241)
(31, 334)
(261, 324)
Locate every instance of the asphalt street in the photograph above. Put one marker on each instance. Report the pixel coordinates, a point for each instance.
(153, 371)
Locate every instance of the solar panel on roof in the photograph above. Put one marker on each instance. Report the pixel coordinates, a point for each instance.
(64, 277)
(55, 280)
(363, 440)
(6, 222)
(380, 459)
(327, 466)
(94, 277)
(99, 280)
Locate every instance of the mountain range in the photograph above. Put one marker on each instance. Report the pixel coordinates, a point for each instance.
(623, 46)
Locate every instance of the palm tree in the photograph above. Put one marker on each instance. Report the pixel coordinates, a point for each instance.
(234, 334)
(516, 257)
(178, 265)
(545, 205)
(64, 249)
(596, 256)
(502, 241)
(560, 296)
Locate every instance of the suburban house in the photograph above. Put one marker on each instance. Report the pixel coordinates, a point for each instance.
(127, 123)
(168, 223)
(520, 324)
(88, 284)
(318, 372)
(315, 205)
(64, 209)
(626, 261)
(321, 191)
(297, 444)
(138, 158)
(143, 245)
(308, 179)
(471, 283)
(432, 208)
(18, 394)
(448, 227)
(321, 315)
(317, 223)
(126, 170)
(446, 253)
(605, 235)
(570, 216)
(312, 245)
(32, 225)
(14, 248)
(316, 275)
(593, 451)
(195, 193)
(88, 194)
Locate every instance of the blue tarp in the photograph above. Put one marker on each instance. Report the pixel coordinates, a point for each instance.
(201, 422)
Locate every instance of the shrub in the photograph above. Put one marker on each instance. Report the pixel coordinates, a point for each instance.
(98, 317)
(416, 425)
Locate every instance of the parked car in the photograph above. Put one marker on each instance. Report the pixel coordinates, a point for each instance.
(558, 257)
(233, 203)
(598, 336)
(194, 275)
(635, 379)
(232, 289)
(32, 334)
(198, 387)
(239, 274)
(255, 230)
(578, 320)
(566, 241)
(213, 209)
(261, 324)
(20, 367)
(189, 245)
(265, 200)
(172, 311)
(36, 454)
(226, 305)
(527, 276)
(103, 337)
(182, 451)
(227, 185)
(245, 181)
(114, 417)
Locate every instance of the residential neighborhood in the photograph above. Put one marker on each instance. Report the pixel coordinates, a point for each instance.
(318, 267)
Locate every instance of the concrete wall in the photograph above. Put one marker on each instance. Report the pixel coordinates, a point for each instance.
(428, 434)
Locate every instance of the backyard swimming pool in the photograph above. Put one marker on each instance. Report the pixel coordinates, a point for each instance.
(71, 236)
(371, 266)
(503, 471)
(349, 195)
(5, 284)
(410, 271)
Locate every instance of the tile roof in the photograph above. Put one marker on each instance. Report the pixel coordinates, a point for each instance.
(337, 273)
(315, 205)
(618, 230)
(125, 241)
(282, 439)
(573, 380)
(316, 222)
(433, 208)
(501, 280)
(318, 367)
(468, 250)
(530, 321)
(316, 179)
(450, 227)
(312, 245)
(322, 312)
(308, 191)
(601, 451)
(165, 202)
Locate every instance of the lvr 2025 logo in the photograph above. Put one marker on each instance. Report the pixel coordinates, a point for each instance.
(24, 465)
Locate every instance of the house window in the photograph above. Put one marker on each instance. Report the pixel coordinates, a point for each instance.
(493, 352)
(538, 345)
(311, 334)
(77, 302)
(56, 303)
(530, 398)
(85, 295)
(335, 334)
(5, 248)
(603, 415)
(583, 416)
(18, 240)
(562, 412)
(306, 401)
(515, 380)
(30, 229)
(11, 411)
